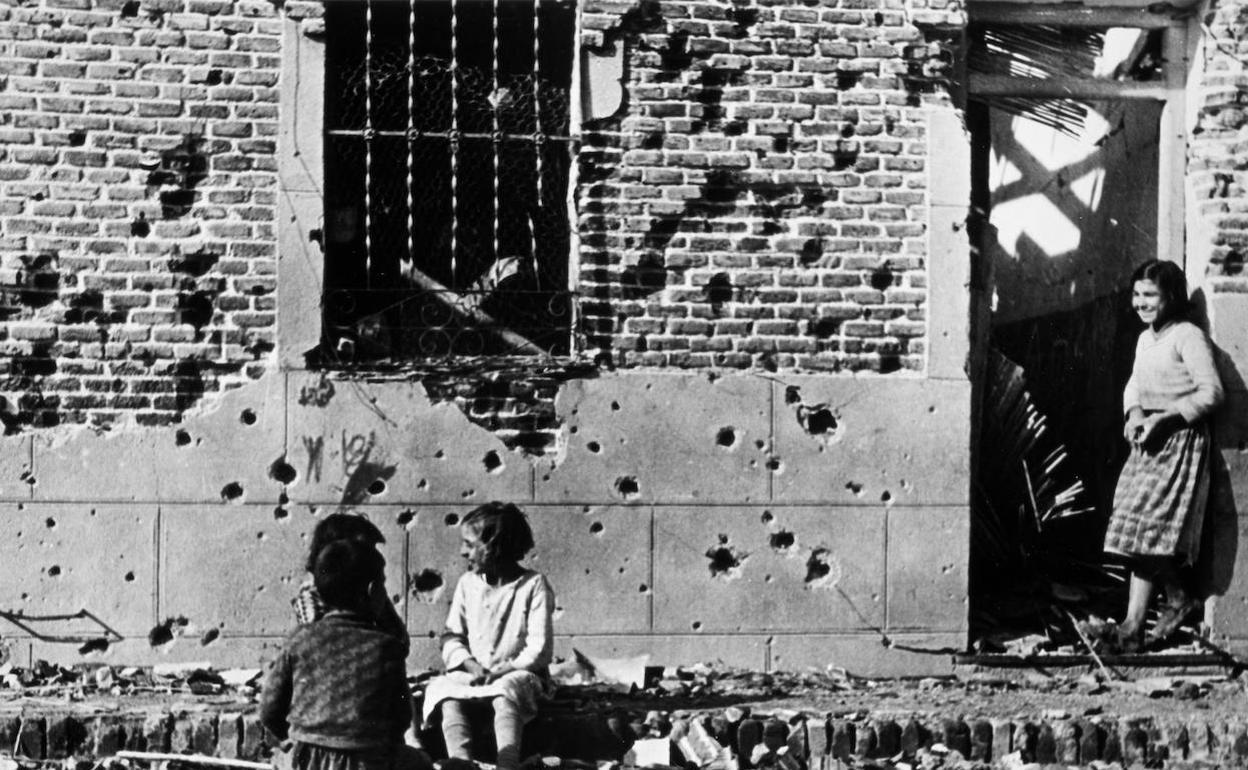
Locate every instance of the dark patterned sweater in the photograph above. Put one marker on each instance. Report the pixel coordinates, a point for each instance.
(339, 682)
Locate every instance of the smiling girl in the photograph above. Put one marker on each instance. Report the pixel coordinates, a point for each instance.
(1159, 503)
(499, 637)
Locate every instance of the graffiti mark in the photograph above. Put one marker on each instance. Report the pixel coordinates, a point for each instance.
(356, 451)
(315, 447)
(318, 394)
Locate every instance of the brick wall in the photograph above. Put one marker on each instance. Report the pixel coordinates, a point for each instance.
(761, 200)
(137, 205)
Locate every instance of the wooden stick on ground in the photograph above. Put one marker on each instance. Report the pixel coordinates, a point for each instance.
(193, 759)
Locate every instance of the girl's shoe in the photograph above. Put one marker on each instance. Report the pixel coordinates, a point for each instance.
(1172, 617)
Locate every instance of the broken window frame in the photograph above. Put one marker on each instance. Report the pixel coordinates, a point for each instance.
(1170, 91)
(463, 306)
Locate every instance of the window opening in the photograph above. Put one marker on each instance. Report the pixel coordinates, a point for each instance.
(448, 155)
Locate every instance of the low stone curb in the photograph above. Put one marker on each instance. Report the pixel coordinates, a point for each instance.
(821, 742)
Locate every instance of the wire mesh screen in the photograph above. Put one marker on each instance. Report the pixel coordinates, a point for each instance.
(448, 155)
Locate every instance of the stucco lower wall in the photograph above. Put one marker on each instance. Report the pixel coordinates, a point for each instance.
(766, 521)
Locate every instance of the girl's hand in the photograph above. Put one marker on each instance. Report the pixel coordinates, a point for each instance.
(498, 673)
(1156, 427)
(476, 671)
(1134, 427)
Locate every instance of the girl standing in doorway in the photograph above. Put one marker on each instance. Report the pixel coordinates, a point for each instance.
(1159, 502)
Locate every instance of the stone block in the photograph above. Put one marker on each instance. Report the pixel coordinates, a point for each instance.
(928, 552)
(256, 740)
(203, 733)
(352, 442)
(668, 438)
(64, 735)
(590, 554)
(108, 737)
(229, 735)
(156, 729)
(30, 738)
(877, 441)
(715, 570)
(222, 450)
(42, 547)
(252, 561)
(16, 468)
(742, 650)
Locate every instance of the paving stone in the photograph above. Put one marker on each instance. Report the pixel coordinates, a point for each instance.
(956, 735)
(914, 736)
(1002, 738)
(254, 741)
(30, 739)
(981, 741)
(818, 738)
(1135, 744)
(109, 737)
(229, 735)
(866, 740)
(1025, 740)
(677, 437)
(156, 728)
(844, 739)
(749, 735)
(1046, 744)
(888, 738)
(1090, 740)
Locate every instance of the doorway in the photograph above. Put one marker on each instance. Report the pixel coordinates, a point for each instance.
(1073, 127)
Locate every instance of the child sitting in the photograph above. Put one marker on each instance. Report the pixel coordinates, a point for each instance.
(338, 689)
(344, 526)
(499, 637)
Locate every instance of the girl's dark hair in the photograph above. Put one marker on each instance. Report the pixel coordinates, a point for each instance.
(503, 528)
(1171, 284)
(343, 571)
(342, 526)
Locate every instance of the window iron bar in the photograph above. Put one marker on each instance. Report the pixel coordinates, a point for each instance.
(417, 134)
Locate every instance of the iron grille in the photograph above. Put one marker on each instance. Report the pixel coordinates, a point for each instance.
(448, 154)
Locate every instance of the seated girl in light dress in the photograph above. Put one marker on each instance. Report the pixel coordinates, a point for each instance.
(499, 637)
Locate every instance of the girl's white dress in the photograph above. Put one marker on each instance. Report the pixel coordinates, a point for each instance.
(506, 624)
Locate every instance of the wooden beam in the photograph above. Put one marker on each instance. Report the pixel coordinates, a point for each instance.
(1068, 15)
(1064, 88)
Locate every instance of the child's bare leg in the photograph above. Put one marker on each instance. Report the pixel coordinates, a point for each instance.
(456, 731)
(507, 731)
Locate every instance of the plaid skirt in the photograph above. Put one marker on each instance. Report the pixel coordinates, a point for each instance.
(310, 756)
(1159, 503)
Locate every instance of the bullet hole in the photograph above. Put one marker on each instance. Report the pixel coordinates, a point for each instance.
(718, 291)
(129, 577)
(438, 455)
(593, 446)
(627, 487)
(819, 567)
(451, 519)
(196, 308)
(643, 588)
(130, 9)
(377, 487)
(931, 409)
(247, 417)
(50, 523)
(94, 646)
(768, 517)
(196, 264)
(405, 517)
(724, 560)
(774, 465)
(177, 173)
(422, 484)
(817, 420)
(232, 491)
(280, 513)
(54, 570)
(426, 586)
(879, 19)
(792, 395)
(726, 437)
(209, 637)
(882, 277)
(282, 472)
(696, 625)
(213, 77)
(165, 632)
(812, 251)
(782, 540)
(140, 227)
(855, 487)
(574, 430)
(181, 438)
(887, 497)
(615, 406)
(493, 463)
(596, 528)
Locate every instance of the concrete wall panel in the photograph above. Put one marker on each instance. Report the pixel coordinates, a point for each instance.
(597, 559)
(16, 467)
(240, 573)
(59, 559)
(223, 453)
(666, 438)
(736, 569)
(868, 654)
(743, 650)
(1228, 315)
(870, 441)
(928, 553)
(346, 436)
